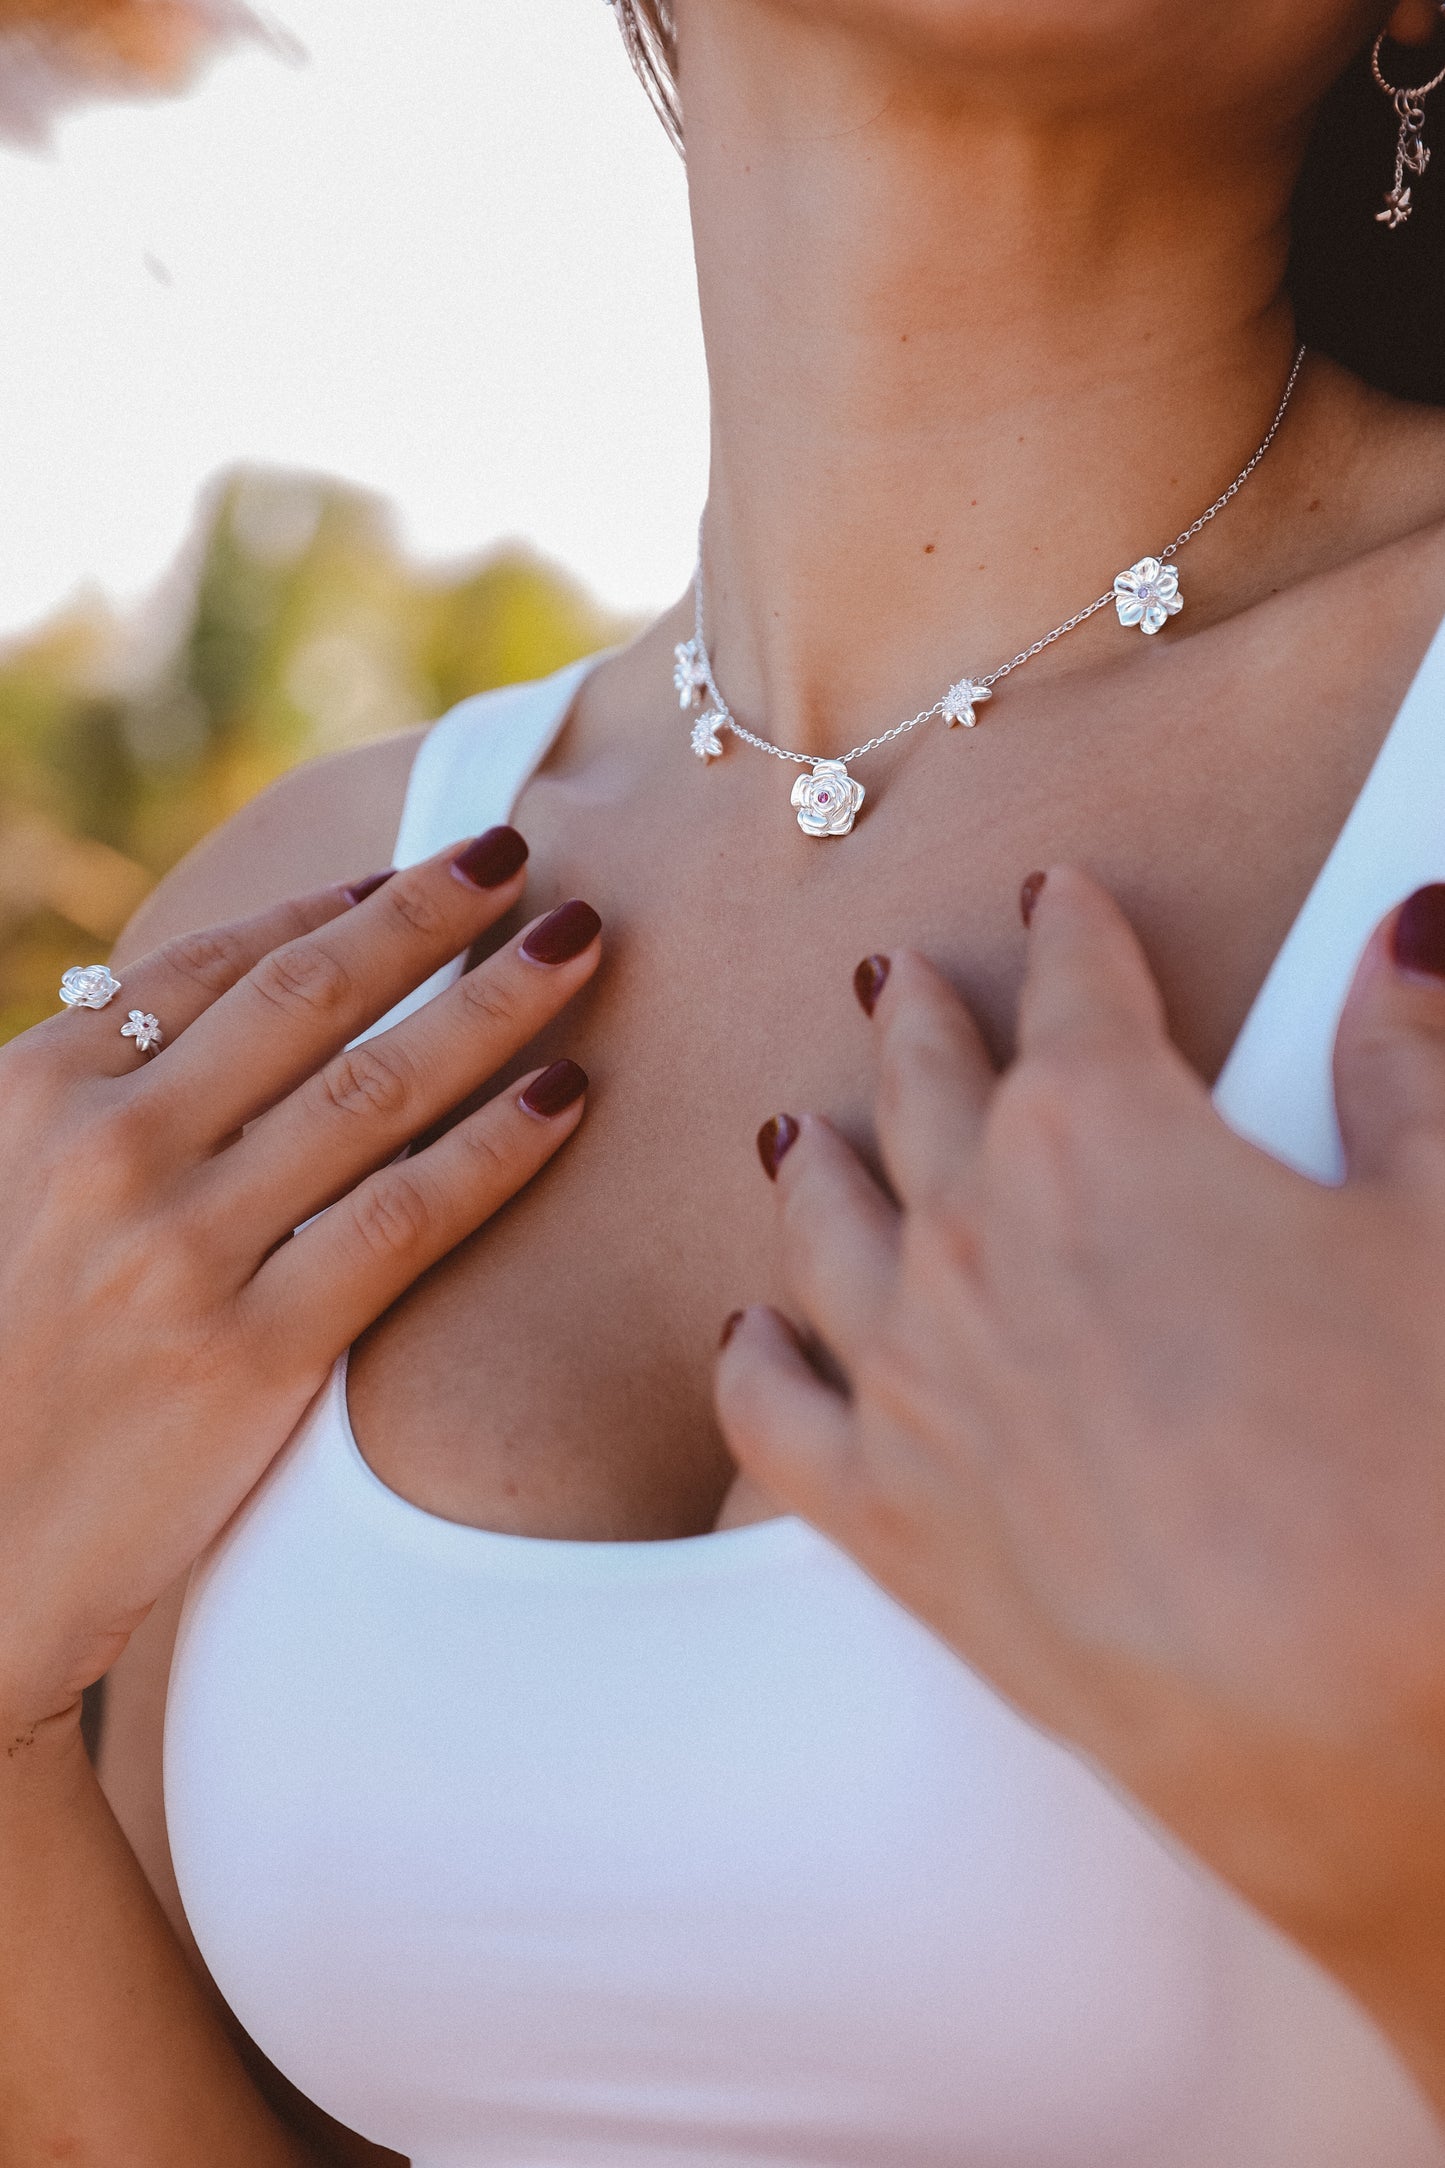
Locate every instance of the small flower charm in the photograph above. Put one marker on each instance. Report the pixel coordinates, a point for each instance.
(1397, 209)
(705, 741)
(88, 986)
(688, 674)
(144, 1029)
(961, 700)
(827, 801)
(1147, 593)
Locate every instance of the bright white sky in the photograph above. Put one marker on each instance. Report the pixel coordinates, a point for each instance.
(447, 258)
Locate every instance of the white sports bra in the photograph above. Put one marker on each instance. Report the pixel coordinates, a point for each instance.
(703, 1854)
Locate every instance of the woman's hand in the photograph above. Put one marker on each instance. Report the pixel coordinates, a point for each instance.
(1149, 1428)
(161, 1331)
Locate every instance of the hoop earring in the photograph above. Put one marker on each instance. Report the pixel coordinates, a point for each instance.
(1412, 152)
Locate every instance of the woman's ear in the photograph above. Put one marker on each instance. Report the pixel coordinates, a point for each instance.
(1412, 22)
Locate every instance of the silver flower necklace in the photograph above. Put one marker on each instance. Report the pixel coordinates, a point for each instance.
(828, 799)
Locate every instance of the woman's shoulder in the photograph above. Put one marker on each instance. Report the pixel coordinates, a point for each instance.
(332, 819)
(337, 818)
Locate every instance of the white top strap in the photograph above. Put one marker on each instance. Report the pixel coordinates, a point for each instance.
(1277, 1088)
(470, 770)
(472, 766)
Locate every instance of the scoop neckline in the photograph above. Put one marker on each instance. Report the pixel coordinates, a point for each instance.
(602, 1558)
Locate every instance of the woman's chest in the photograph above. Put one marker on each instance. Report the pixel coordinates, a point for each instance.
(553, 1376)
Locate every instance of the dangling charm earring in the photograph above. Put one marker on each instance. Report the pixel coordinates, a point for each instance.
(1412, 153)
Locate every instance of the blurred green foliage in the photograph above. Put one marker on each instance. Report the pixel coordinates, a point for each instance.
(292, 625)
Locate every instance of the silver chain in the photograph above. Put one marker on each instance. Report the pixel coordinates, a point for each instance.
(728, 721)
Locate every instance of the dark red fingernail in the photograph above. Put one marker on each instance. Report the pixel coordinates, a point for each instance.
(491, 858)
(562, 934)
(1029, 895)
(730, 1326)
(776, 1139)
(555, 1089)
(869, 981)
(360, 890)
(1420, 932)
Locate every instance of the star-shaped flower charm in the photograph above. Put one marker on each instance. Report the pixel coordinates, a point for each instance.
(144, 1029)
(688, 674)
(961, 700)
(705, 741)
(1397, 209)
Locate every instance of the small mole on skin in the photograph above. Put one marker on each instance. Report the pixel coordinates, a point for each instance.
(928, 549)
(1316, 505)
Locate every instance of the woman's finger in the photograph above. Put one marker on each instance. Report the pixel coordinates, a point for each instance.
(367, 1103)
(935, 1080)
(1390, 1049)
(1089, 988)
(305, 1000)
(788, 1430)
(181, 979)
(840, 1233)
(323, 1288)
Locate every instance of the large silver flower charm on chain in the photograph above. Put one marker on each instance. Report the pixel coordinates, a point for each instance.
(688, 674)
(827, 801)
(705, 740)
(960, 701)
(1147, 593)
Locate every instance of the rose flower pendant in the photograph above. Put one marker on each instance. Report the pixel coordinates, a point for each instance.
(827, 801)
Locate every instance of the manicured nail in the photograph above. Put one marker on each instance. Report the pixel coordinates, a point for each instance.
(360, 890)
(776, 1139)
(555, 1089)
(1029, 895)
(562, 934)
(869, 981)
(491, 858)
(730, 1326)
(1420, 932)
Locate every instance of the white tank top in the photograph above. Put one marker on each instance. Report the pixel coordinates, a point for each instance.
(703, 1854)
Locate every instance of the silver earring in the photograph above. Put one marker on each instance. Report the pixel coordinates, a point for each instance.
(1412, 152)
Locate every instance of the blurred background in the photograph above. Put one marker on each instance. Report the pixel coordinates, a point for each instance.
(349, 365)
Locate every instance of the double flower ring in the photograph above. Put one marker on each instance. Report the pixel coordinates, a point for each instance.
(94, 986)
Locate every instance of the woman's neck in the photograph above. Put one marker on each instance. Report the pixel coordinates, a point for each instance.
(971, 352)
